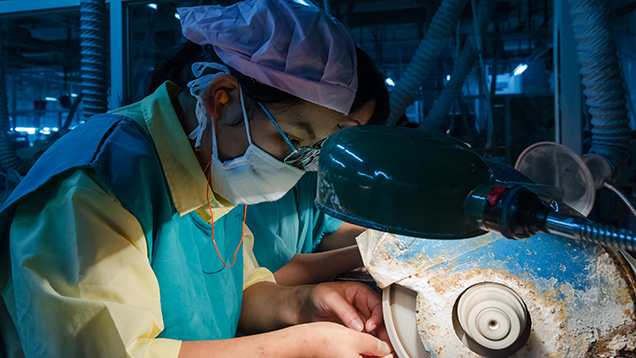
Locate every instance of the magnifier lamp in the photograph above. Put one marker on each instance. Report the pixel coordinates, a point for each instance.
(405, 181)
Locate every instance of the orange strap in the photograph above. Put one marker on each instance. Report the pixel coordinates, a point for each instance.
(207, 197)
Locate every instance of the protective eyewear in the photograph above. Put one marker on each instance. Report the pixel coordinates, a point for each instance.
(305, 158)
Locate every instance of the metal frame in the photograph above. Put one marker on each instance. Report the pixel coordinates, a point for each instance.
(118, 52)
(21, 6)
(568, 103)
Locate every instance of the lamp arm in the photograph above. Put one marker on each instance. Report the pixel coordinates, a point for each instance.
(516, 212)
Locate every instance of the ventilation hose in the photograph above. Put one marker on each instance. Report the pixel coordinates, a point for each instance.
(93, 44)
(8, 156)
(327, 6)
(439, 112)
(430, 47)
(602, 81)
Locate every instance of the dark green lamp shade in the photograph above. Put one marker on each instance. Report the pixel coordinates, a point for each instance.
(400, 180)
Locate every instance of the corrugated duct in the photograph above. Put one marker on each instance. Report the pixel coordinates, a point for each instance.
(93, 44)
(467, 57)
(602, 81)
(432, 44)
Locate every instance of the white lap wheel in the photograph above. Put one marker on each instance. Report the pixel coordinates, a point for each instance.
(492, 315)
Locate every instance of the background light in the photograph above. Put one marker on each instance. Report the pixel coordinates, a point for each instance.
(520, 69)
(152, 6)
(50, 99)
(389, 81)
(28, 130)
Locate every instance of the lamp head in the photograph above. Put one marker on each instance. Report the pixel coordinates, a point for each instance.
(400, 180)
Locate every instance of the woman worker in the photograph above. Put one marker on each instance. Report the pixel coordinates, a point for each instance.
(290, 229)
(108, 247)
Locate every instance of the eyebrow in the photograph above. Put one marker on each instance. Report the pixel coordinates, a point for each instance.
(300, 124)
(304, 126)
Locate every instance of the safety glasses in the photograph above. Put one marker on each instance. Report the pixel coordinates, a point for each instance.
(305, 158)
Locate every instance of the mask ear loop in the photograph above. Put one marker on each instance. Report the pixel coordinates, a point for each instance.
(207, 197)
(245, 120)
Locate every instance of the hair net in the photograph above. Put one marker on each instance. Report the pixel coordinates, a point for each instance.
(295, 48)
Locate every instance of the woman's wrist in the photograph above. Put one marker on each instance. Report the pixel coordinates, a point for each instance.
(298, 305)
(267, 306)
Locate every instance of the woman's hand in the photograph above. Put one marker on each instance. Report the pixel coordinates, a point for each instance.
(326, 320)
(353, 304)
(326, 339)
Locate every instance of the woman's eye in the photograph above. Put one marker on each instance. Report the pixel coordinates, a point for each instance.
(293, 140)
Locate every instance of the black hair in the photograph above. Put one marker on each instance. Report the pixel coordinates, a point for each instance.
(371, 87)
(176, 68)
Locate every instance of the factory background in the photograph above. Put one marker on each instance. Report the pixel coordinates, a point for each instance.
(518, 78)
(499, 75)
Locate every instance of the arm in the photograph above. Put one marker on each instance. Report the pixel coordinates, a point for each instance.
(267, 306)
(343, 237)
(321, 339)
(318, 267)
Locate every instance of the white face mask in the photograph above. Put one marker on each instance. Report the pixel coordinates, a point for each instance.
(253, 178)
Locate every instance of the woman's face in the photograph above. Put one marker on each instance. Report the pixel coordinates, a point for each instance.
(304, 124)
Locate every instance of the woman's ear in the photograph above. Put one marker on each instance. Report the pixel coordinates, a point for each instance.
(221, 92)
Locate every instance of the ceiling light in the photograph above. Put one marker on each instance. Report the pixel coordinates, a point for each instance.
(303, 2)
(29, 130)
(520, 69)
